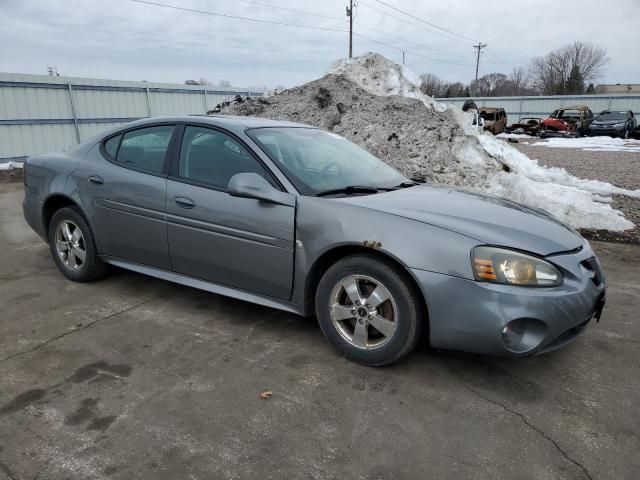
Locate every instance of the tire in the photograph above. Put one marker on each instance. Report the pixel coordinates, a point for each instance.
(62, 239)
(398, 304)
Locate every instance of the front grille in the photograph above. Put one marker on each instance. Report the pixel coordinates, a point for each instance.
(593, 265)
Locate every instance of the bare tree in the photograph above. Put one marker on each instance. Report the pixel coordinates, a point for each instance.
(431, 85)
(567, 69)
(224, 83)
(519, 79)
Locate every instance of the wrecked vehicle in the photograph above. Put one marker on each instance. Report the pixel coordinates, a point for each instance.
(495, 119)
(299, 218)
(526, 125)
(573, 121)
(618, 123)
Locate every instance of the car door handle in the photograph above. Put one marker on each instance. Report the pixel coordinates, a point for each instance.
(184, 202)
(96, 180)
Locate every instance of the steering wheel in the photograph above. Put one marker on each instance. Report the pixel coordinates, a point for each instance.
(326, 168)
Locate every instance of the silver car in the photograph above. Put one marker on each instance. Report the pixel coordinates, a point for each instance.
(300, 219)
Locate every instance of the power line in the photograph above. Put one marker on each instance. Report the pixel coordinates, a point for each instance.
(271, 22)
(390, 15)
(287, 9)
(236, 17)
(423, 21)
(412, 53)
(422, 45)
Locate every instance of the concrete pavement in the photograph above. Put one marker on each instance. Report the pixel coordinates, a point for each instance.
(132, 377)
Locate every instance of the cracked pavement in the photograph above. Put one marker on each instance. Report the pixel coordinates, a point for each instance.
(133, 377)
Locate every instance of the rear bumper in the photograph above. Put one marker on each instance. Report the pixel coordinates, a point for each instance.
(32, 211)
(470, 316)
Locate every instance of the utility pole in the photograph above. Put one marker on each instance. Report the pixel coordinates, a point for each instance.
(350, 15)
(403, 57)
(480, 46)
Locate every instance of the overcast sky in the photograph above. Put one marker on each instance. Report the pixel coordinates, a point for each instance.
(124, 40)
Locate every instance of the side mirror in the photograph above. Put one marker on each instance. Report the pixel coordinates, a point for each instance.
(252, 185)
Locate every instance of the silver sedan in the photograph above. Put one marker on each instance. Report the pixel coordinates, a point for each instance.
(300, 219)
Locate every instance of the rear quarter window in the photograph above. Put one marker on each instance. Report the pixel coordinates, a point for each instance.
(111, 145)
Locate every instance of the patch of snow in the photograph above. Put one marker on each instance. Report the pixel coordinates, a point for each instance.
(593, 144)
(10, 165)
(513, 135)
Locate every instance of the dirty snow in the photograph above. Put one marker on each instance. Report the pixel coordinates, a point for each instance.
(593, 144)
(10, 165)
(513, 135)
(378, 105)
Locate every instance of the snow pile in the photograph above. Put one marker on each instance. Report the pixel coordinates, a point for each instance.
(10, 165)
(378, 105)
(593, 144)
(380, 76)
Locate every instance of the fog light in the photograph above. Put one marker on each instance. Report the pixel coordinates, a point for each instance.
(523, 335)
(512, 333)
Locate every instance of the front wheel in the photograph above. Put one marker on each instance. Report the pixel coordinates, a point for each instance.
(369, 310)
(73, 248)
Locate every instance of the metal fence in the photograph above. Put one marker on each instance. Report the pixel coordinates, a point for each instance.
(517, 107)
(39, 113)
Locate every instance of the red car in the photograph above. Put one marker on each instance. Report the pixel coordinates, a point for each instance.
(567, 121)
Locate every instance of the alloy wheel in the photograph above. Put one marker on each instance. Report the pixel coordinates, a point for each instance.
(70, 245)
(363, 311)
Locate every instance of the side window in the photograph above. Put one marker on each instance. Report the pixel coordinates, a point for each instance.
(111, 145)
(145, 148)
(212, 157)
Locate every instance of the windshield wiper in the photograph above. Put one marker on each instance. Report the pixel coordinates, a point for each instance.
(349, 189)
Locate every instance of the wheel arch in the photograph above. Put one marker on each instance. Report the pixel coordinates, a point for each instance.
(55, 202)
(333, 255)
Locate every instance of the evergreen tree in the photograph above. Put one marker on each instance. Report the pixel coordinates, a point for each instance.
(575, 82)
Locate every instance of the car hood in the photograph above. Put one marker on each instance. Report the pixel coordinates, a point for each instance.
(488, 219)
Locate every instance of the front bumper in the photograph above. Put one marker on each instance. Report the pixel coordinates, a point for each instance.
(470, 316)
(611, 132)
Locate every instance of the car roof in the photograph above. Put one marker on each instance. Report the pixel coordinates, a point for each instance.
(230, 122)
(491, 109)
(575, 107)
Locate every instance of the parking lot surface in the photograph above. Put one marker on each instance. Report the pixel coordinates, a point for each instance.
(132, 377)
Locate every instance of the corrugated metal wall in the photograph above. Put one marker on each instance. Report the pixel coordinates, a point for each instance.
(39, 113)
(517, 107)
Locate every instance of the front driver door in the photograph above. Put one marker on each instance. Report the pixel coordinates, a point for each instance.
(237, 242)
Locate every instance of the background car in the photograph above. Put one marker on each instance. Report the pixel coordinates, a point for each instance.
(567, 121)
(615, 123)
(527, 125)
(495, 119)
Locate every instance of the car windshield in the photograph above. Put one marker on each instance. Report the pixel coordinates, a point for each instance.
(318, 161)
(566, 114)
(488, 115)
(612, 116)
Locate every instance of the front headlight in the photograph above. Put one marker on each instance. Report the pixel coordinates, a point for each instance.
(499, 265)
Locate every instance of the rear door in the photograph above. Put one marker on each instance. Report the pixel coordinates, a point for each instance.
(125, 189)
(237, 242)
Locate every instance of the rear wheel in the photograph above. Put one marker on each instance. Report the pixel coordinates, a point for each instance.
(369, 310)
(73, 248)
